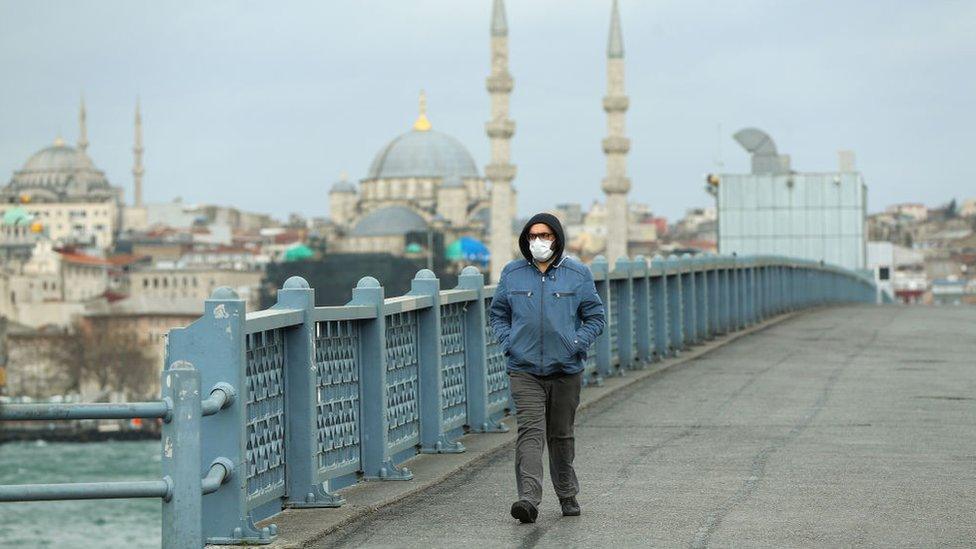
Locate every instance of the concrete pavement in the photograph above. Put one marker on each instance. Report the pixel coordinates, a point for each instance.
(839, 427)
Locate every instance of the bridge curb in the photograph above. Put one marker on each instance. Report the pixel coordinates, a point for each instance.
(299, 528)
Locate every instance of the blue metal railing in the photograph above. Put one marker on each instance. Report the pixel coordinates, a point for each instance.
(181, 488)
(333, 395)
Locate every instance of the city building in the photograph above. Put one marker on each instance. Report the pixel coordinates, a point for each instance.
(776, 210)
(175, 281)
(914, 210)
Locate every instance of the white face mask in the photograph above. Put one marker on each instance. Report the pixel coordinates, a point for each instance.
(541, 249)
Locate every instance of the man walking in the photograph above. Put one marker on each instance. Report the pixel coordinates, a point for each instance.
(546, 314)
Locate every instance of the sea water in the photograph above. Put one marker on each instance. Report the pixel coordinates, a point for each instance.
(84, 523)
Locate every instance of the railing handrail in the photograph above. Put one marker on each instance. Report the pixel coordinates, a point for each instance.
(181, 488)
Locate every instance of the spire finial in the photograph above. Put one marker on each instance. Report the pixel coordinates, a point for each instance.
(499, 25)
(137, 150)
(615, 45)
(82, 126)
(422, 124)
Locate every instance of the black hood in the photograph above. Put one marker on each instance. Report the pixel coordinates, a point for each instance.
(557, 229)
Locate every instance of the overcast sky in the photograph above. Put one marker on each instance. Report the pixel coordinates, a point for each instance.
(262, 105)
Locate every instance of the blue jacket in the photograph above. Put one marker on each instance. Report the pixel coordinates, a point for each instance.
(546, 322)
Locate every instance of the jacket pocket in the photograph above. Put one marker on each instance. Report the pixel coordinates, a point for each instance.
(570, 348)
(565, 303)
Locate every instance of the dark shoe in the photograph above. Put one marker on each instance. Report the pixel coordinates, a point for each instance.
(524, 511)
(570, 506)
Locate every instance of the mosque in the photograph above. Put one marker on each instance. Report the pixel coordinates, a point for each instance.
(426, 181)
(422, 180)
(61, 194)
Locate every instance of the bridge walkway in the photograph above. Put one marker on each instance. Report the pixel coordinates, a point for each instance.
(844, 426)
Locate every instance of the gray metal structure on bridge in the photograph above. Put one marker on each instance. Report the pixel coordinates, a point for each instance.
(316, 399)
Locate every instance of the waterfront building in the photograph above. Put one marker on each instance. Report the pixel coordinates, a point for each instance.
(776, 210)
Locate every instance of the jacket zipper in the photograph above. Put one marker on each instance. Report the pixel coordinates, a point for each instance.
(542, 324)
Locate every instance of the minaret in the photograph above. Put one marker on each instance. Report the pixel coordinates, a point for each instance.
(82, 128)
(137, 170)
(615, 146)
(500, 172)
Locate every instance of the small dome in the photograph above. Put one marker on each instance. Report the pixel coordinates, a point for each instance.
(57, 158)
(17, 216)
(343, 186)
(59, 173)
(423, 153)
(391, 220)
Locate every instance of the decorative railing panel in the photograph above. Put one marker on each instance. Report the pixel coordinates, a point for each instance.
(453, 370)
(264, 428)
(496, 368)
(337, 372)
(402, 374)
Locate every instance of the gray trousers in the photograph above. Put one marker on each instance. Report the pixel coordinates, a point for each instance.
(545, 409)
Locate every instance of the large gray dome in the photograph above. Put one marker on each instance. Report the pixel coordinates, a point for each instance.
(389, 221)
(59, 173)
(423, 153)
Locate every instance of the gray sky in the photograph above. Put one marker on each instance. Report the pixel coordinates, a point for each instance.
(262, 104)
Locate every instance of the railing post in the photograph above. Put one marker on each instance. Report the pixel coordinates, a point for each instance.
(375, 461)
(432, 438)
(625, 315)
(475, 356)
(675, 301)
(301, 416)
(725, 295)
(714, 295)
(735, 294)
(760, 277)
(659, 302)
(215, 345)
(181, 459)
(601, 277)
(752, 292)
(689, 306)
(702, 298)
(644, 315)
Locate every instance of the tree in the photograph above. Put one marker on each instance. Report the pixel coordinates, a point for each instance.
(951, 209)
(110, 360)
(116, 360)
